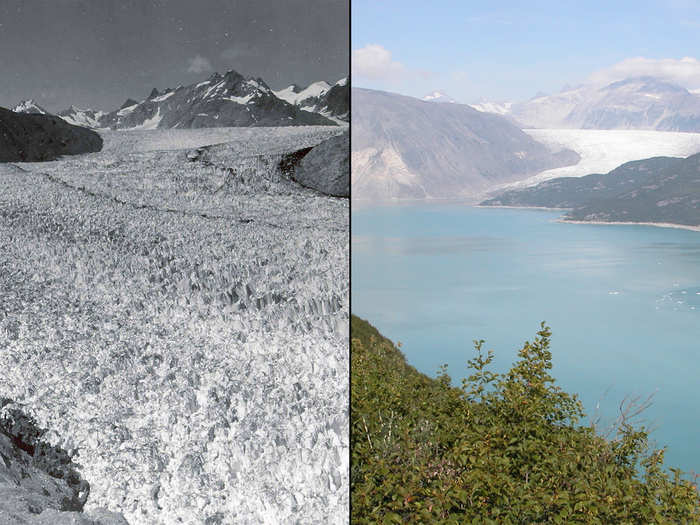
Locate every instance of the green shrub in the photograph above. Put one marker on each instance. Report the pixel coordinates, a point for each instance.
(503, 448)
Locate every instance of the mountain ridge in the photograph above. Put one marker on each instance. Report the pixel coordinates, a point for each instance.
(404, 147)
(660, 190)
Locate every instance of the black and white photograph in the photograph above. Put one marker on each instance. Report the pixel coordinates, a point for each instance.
(174, 262)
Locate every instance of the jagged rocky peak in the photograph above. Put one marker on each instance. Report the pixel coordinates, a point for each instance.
(129, 102)
(233, 77)
(154, 93)
(29, 106)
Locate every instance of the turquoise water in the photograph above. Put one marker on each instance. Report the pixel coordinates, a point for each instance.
(623, 303)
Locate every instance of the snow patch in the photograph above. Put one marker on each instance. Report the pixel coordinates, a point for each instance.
(163, 97)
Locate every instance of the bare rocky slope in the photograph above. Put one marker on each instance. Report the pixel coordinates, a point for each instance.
(403, 147)
(326, 167)
(39, 483)
(33, 137)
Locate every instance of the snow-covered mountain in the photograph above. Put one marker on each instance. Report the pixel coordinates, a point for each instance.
(320, 97)
(297, 96)
(220, 101)
(438, 96)
(499, 108)
(29, 106)
(88, 118)
(634, 103)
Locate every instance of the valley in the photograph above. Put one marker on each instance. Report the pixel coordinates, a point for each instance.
(175, 313)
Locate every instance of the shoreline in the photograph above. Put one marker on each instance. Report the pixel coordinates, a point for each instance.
(622, 223)
(545, 208)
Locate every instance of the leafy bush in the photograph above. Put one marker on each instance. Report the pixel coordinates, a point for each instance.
(503, 448)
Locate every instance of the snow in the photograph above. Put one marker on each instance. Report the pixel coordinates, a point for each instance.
(499, 108)
(29, 106)
(82, 117)
(127, 110)
(151, 123)
(438, 96)
(161, 98)
(213, 89)
(604, 150)
(342, 81)
(240, 100)
(314, 90)
(186, 329)
(255, 84)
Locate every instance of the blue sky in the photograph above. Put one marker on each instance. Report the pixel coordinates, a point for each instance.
(509, 51)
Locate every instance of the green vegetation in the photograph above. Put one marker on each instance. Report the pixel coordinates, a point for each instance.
(503, 448)
(660, 189)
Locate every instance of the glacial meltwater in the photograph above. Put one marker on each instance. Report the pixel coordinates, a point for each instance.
(623, 303)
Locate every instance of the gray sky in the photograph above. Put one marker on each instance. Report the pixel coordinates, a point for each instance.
(98, 53)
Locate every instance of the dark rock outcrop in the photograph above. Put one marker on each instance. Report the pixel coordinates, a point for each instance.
(39, 484)
(34, 138)
(326, 168)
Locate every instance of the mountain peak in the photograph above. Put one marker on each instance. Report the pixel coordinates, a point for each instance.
(29, 106)
(128, 102)
(438, 96)
(154, 93)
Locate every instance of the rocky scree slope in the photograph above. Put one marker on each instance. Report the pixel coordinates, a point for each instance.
(403, 147)
(659, 190)
(32, 138)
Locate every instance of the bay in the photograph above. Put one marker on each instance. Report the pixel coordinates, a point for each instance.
(623, 303)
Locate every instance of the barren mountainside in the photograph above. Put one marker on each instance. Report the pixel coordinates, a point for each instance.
(34, 137)
(408, 148)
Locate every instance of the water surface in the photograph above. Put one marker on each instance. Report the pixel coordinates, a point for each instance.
(623, 302)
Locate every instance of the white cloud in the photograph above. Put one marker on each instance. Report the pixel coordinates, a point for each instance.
(684, 71)
(375, 62)
(199, 64)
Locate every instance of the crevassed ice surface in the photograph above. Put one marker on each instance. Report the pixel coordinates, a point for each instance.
(604, 150)
(183, 325)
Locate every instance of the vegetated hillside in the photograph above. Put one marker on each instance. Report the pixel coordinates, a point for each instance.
(660, 190)
(403, 147)
(633, 103)
(503, 448)
(32, 137)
